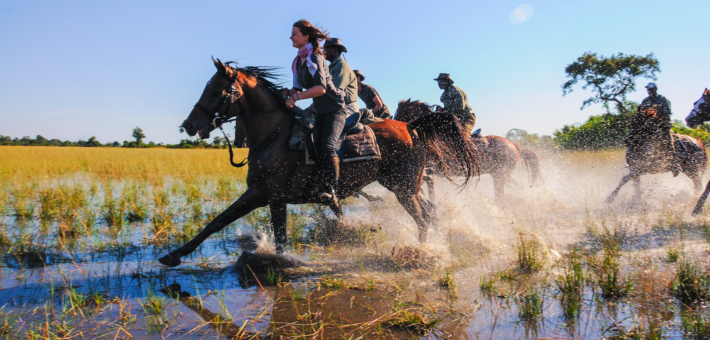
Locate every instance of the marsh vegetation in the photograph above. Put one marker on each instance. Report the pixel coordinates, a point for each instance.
(81, 229)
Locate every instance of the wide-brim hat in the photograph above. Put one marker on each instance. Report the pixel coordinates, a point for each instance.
(652, 85)
(334, 42)
(358, 74)
(444, 76)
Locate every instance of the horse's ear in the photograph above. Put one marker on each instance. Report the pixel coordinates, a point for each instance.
(219, 65)
(706, 91)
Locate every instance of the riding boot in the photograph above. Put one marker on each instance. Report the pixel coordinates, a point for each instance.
(330, 172)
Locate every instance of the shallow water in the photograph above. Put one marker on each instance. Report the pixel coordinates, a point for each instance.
(476, 238)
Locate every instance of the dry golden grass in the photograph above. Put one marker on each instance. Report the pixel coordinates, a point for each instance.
(155, 164)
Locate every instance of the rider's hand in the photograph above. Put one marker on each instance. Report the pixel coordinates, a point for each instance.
(285, 92)
(290, 102)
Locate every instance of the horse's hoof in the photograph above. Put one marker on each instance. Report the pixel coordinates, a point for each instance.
(609, 200)
(697, 211)
(170, 260)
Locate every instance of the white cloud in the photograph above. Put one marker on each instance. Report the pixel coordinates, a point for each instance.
(521, 14)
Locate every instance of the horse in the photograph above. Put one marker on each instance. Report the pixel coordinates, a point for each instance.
(643, 156)
(278, 176)
(698, 115)
(499, 155)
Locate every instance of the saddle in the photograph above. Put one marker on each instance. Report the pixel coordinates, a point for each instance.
(357, 142)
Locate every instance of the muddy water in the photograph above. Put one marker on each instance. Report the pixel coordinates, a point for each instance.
(356, 289)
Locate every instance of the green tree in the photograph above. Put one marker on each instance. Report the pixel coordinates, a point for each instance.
(610, 79)
(598, 132)
(138, 135)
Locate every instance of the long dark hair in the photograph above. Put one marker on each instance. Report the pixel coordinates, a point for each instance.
(315, 34)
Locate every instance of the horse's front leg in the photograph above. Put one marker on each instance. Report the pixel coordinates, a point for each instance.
(279, 218)
(251, 199)
(624, 180)
(637, 188)
(368, 197)
(701, 201)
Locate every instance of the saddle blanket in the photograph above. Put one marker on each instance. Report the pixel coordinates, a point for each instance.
(355, 147)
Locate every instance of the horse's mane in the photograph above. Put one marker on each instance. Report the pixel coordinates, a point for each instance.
(409, 105)
(265, 75)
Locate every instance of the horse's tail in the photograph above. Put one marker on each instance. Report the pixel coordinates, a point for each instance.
(447, 144)
(531, 162)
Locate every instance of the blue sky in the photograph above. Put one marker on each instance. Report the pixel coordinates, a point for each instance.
(76, 69)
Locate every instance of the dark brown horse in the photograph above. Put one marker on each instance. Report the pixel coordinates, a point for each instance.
(278, 176)
(698, 115)
(499, 156)
(644, 156)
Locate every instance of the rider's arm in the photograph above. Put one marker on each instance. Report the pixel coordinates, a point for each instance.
(378, 103)
(457, 103)
(315, 91)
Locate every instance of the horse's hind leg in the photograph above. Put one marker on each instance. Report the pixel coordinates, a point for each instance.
(701, 201)
(428, 210)
(251, 199)
(624, 180)
(279, 218)
(499, 186)
(697, 182)
(411, 204)
(429, 180)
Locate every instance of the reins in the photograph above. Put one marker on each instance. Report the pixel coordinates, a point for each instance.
(260, 145)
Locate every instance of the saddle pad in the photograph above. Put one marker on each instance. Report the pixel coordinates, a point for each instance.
(354, 148)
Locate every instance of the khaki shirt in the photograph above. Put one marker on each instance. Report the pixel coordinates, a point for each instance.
(344, 78)
(455, 100)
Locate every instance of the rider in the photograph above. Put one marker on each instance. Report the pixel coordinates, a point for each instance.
(456, 102)
(372, 99)
(656, 110)
(343, 76)
(311, 79)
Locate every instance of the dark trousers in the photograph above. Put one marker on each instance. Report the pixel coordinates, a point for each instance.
(331, 126)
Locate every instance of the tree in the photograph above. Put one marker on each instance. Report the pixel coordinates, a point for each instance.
(138, 135)
(609, 78)
(598, 132)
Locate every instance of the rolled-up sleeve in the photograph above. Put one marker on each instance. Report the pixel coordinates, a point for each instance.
(321, 75)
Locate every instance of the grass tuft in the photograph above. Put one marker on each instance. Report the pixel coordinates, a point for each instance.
(530, 257)
(690, 284)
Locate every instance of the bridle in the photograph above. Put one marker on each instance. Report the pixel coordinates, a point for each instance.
(230, 98)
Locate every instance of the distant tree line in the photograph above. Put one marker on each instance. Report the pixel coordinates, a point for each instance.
(217, 142)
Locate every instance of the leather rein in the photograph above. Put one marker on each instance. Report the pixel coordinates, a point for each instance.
(232, 96)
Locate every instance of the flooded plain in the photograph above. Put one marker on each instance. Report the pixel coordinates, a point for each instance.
(81, 232)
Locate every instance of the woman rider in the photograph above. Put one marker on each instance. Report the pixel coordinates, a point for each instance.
(311, 79)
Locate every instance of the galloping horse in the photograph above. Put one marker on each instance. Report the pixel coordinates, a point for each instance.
(698, 115)
(499, 155)
(278, 176)
(644, 157)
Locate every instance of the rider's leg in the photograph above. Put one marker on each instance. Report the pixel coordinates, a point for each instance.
(332, 125)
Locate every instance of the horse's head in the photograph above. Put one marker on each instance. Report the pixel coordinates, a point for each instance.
(700, 112)
(225, 88)
(408, 110)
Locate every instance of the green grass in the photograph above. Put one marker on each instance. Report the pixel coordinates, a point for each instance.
(530, 257)
(691, 284)
(530, 306)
